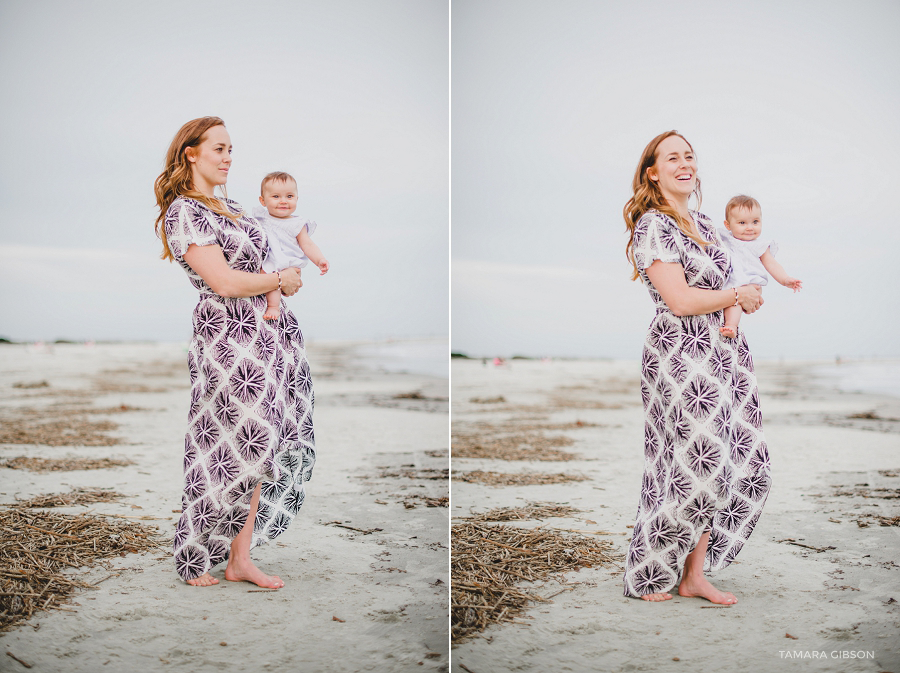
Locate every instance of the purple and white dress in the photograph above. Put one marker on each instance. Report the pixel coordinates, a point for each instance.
(706, 464)
(250, 417)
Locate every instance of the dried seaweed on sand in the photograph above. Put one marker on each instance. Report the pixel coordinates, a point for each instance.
(77, 496)
(488, 561)
(530, 510)
(36, 546)
(516, 479)
(62, 464)
(532, 446)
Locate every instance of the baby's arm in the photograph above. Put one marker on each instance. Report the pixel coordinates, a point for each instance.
(312, 251)
(778, 273)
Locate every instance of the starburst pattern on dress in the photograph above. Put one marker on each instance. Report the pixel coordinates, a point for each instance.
(695, 340)
(242, 321)
(190, 562)
(718, 543)
(680, 485)
(734, 513)
(680, 424)
(664, 336)
(206, 432)
(650, 365)
(651, 442)
(195, 483)
(649, 492)
(247, 382)
(265, 346)
(660, 532)
(699, 509)
(754, 486)
(252, 440)
(759, 462)
(201, 513)
(221, 465)
(752, 412)
(656, 415)
(703, 456)
(719, 364)
(208, 320)
(231, 524)
(651, 579)
(700, 397)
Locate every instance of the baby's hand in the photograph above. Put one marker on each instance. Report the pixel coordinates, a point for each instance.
(323, 267)
(794, 284)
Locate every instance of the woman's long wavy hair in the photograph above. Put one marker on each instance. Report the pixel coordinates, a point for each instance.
(648, 196)
(176, 178)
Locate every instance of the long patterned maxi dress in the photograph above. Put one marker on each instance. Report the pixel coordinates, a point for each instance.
(706, 463)
(250, 417)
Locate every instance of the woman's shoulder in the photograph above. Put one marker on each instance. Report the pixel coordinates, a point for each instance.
(655, 217)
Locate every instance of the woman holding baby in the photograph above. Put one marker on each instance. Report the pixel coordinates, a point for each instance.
(250, 447)
(706, 471)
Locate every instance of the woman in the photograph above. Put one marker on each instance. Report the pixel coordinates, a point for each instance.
(249, 447)
(706, 473)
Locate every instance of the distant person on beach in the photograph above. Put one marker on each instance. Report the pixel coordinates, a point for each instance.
(706, 465)
(751, 255)
(290, 244)
(249, 447)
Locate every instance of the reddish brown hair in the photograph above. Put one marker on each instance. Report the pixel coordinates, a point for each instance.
(741, 201)
(276, 176)
(176, 178)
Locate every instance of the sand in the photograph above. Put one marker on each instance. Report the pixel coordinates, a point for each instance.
(389, 587)
(837, 603)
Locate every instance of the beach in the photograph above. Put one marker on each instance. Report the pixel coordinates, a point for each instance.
(364, 562)
(818, 580)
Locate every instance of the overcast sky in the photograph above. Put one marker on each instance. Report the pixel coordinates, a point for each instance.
(351, 97)
(795, 103)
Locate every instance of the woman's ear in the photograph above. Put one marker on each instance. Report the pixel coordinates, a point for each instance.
(188, 153)
(651, 174)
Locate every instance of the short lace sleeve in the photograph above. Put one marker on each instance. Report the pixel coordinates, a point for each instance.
(187, 223)
(654, 240)
(763, 244)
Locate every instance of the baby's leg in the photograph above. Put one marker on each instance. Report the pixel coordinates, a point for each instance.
(732, 320)
(273, 305)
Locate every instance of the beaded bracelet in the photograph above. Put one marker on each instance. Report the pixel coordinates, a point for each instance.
(278, 273)
(735, 293)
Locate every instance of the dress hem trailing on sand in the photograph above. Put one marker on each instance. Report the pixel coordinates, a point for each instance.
(706, 462)
(251, 404)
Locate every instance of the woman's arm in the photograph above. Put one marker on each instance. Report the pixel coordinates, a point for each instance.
(209, 263)
(778, 273)
(668, 279)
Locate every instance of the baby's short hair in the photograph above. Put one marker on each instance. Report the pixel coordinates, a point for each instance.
(275, 176)
(741, 201)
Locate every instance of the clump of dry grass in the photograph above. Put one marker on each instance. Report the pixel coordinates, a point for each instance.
(62, 464)
(77, 496)
(532, 446)
(530, 510)
(865, 492)
(488, 561)
(35, 546)
(410, 500)
(516, 479)
(488, 400)
(881, 520)
(59, 425)
(421, 473)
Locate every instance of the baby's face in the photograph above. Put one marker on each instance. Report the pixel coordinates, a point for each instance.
(745, 224)
(280, 198)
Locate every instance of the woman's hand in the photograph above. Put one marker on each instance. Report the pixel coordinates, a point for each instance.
(290, 281)
(749, 297)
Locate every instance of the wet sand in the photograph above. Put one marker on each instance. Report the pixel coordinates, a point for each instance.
(382, 442)
(836, 462)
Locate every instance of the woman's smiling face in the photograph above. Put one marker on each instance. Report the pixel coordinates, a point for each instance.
(675, 170)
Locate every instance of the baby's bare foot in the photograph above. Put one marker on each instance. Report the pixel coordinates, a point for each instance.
(656, 597)
(271, 313)
(728, 332)
(204, 580)
(247, 572)
(702, 588)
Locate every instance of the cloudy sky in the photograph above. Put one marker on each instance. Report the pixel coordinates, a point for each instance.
(552, 103)
(350, 97)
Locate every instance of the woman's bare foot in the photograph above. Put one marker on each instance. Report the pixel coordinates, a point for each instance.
(702, 588)
(656, 597)
(728, 332)
(272, 313)
(204, 580)
(245, 571)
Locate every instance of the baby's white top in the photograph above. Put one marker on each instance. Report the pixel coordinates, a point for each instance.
(282, 232)
(745, 264)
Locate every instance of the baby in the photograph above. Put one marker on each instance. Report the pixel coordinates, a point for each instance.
(751, 256)
(289, 236)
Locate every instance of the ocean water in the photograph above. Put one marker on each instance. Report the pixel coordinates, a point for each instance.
(430, 357)
(863, 376)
